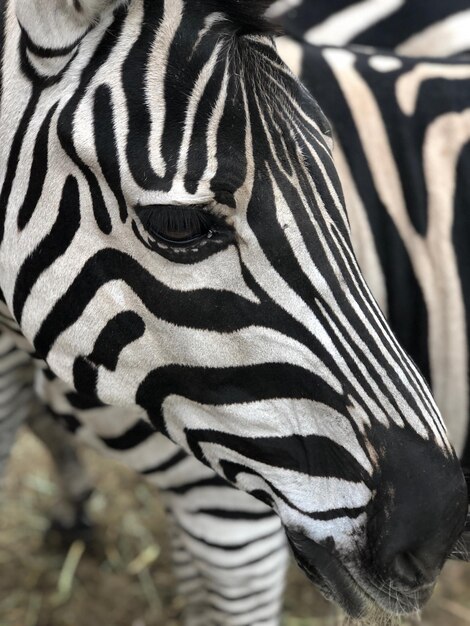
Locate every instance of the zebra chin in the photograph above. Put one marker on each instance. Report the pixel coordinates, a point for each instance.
(461, 549)
(356, 593)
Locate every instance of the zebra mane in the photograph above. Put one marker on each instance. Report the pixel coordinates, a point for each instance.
(246, 16)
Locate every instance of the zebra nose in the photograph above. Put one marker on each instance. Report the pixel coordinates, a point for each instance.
(410, 552)
(417, 514)
(415, 569)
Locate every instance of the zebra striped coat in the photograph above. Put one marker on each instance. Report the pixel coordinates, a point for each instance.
(179, 288)
(410, 27)
(402, 129)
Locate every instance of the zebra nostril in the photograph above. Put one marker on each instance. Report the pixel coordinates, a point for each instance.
(413, 569)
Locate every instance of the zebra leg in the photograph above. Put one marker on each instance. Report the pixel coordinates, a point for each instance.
(229, 549)
(17, 398)
(20, 404)
(70, 520)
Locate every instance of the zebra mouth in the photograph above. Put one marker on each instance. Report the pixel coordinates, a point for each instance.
(329, 575)
(354, 595)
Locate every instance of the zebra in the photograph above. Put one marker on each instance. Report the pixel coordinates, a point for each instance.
(410, 27)
(179, 289)
(408, 206)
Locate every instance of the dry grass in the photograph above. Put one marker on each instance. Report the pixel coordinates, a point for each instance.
(125, 579)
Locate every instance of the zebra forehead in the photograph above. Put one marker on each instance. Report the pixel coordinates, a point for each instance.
(70, 20)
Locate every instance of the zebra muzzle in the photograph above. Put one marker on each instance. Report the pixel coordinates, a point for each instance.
(461, 550)
(357, 594)
(329, 575)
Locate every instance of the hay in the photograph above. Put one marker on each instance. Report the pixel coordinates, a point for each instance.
(124, 578)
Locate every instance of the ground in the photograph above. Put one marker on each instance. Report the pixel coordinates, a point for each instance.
(125, 580)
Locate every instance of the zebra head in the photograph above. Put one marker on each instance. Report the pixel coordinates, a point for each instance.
(174, 237)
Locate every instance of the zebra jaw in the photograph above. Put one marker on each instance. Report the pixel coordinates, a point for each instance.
(358, 598)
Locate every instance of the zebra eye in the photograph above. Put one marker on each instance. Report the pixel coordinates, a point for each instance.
(175, 225)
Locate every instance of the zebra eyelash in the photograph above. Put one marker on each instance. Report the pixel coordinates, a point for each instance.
(174, 218)
(196, 225)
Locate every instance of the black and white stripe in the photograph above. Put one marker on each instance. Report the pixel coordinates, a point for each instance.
(411, 27)
(402, 135)
(254, 351)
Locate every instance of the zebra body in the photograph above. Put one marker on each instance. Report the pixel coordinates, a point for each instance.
(402, 130)
(175, 258)
(410, 27)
